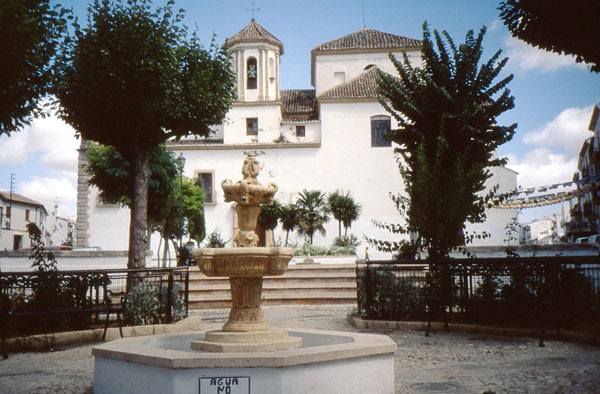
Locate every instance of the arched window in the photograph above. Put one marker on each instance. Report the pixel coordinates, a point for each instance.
(271, 70)
(251, 73)
(380, 126)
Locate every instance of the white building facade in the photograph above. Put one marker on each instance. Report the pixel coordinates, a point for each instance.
(16, 211)
(328, 138)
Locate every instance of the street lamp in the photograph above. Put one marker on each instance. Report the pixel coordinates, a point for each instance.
(181, 162)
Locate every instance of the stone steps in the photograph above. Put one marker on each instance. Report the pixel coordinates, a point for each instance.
(301, 284)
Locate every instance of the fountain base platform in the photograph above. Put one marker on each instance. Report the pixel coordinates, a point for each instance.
(327, 362)
(252, 341)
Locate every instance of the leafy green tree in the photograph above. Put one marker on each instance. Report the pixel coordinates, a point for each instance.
(344, 209)
(312, 213)
(446, 138)
(31, 32)
(556, 26)
(193, 226)
(133, 78)
(288, 215)
(112, 175)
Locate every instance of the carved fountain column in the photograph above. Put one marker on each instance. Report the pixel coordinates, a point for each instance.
(246, 264)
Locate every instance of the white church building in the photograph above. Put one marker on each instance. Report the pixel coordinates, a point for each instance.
(328, 138)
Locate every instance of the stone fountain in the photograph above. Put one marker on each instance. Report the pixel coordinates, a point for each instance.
(246, 264)
(246, 356)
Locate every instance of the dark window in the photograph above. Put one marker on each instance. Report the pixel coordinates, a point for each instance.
(17, 242)
(251, 126)
(380, 127)
(251, 73)
(300, 131)
(206, 181)
(27, 215)
(8, 209)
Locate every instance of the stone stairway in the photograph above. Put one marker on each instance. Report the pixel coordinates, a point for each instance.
(301, 284)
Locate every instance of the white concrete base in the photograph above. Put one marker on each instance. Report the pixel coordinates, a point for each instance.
(327, 363)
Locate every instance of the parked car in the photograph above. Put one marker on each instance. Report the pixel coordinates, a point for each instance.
(582, 240)
(594, 239)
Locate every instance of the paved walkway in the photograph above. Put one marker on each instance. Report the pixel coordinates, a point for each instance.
(444, 363)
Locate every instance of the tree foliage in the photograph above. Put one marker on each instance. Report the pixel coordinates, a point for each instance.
(135, 77)
(192, 211)
(31, 32)
(565, 27)
(344, 209)
(312, 213)
(446, 137)
(112, 175)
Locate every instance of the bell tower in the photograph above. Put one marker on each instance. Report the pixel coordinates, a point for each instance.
(255, 60)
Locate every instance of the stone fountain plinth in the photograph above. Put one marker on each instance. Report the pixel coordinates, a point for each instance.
(245, 265)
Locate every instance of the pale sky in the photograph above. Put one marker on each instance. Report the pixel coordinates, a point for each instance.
(554, 95)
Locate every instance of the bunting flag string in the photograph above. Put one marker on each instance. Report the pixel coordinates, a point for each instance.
(512, 200)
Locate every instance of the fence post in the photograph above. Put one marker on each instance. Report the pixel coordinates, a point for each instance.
(368, 292)
(187, 292)
(170, 298)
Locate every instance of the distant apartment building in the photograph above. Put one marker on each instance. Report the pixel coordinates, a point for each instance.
(538, 232)
(16, 211)
(585, 209)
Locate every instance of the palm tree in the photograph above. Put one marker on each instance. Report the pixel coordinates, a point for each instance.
(269, 215)
(312, 210)
(345, 210)
(288, 215)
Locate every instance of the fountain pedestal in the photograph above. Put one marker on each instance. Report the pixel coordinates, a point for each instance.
(246, 330)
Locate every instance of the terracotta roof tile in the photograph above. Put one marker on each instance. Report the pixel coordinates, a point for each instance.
(298, 105)
(363, 86)
(253, 32)
(368, 39)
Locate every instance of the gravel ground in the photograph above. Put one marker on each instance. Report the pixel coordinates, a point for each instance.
(446, 362)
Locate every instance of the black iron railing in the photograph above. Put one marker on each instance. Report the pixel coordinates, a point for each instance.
(148, 296)
(496, 290)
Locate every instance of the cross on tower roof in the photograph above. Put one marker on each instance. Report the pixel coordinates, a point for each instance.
(253, 8)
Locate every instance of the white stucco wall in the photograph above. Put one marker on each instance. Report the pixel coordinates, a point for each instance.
(269, 121)
(108, 224)
(353, 64)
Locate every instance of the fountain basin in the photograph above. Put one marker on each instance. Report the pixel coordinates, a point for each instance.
(243, 262)
(327, 362)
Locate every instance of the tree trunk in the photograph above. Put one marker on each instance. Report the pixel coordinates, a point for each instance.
(138, 228)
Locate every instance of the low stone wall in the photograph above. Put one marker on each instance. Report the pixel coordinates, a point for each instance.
(14, 261)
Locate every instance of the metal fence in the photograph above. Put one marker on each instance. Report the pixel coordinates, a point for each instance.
(482, 289)
(168, 288)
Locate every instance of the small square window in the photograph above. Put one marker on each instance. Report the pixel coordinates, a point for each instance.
(251, 126)
(300, 131)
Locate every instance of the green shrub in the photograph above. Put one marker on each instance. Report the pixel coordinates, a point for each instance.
(306, 249)
(394, 298)
(148, 300)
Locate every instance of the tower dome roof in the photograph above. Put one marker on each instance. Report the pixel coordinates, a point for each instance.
(254, 32)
